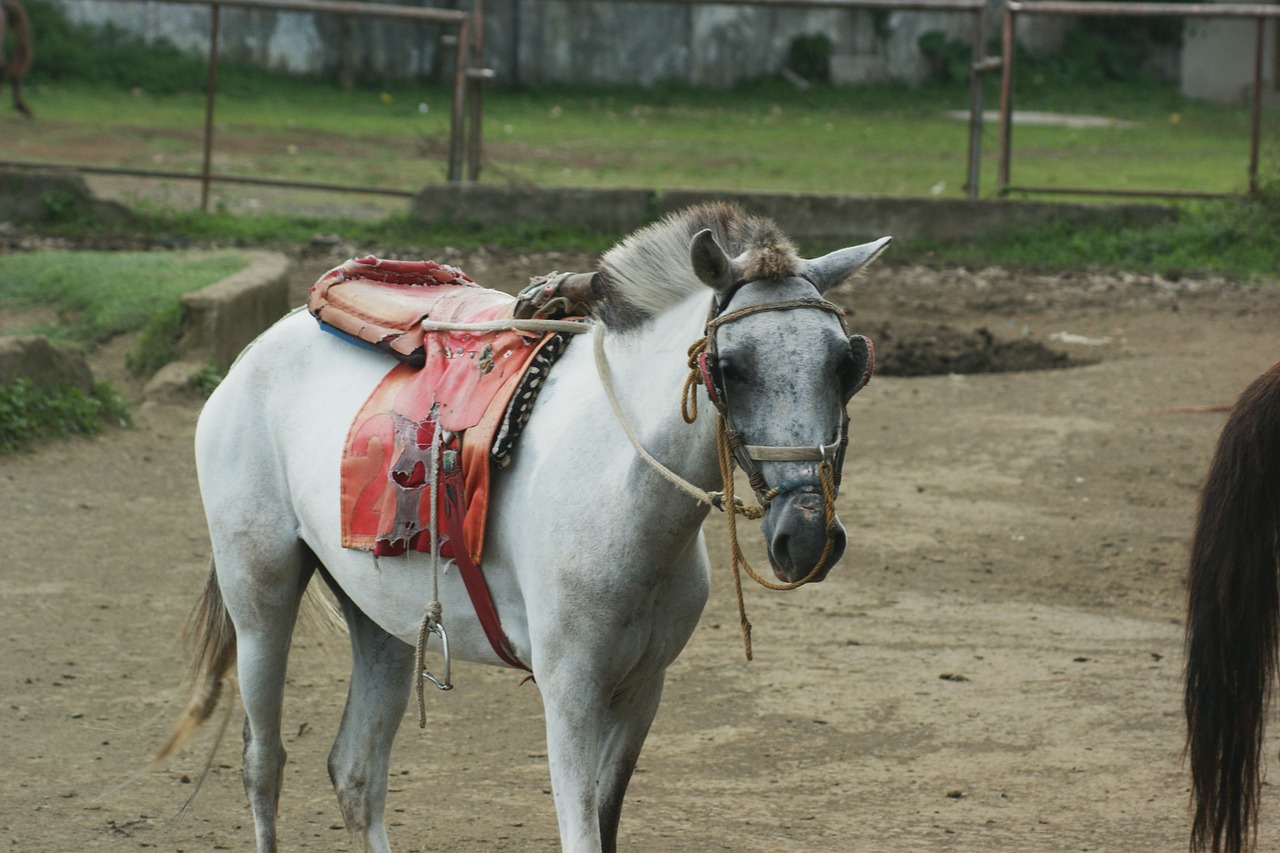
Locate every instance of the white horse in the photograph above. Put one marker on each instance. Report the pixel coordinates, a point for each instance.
(595, 560)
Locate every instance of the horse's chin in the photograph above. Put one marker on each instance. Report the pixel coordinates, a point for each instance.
(796, 531)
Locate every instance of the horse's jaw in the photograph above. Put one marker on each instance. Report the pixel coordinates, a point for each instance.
(797, 536)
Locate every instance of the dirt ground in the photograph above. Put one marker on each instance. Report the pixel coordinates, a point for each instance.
(993, 667)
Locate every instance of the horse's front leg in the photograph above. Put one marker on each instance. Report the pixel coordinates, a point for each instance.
(575, 697)
(627, 721)
(595, 731)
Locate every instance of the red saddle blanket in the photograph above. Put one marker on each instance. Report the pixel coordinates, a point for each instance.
(459, 383)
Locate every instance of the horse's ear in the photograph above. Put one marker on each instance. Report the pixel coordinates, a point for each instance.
(711, 265)
(830, 270)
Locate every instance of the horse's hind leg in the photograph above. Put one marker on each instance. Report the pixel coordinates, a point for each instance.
(381, 677)
(262, 587)
(18, 102)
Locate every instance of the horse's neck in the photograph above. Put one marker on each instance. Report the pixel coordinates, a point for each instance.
(649, 366)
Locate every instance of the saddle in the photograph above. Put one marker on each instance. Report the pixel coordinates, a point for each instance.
(446, 414)
(474, 388)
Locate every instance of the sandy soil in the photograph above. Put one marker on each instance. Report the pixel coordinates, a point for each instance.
(994, 666)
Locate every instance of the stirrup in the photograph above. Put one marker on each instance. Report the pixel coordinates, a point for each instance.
(445, 683)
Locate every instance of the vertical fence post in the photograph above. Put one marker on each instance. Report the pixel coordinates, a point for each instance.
(456, 114)
(1006, 98)
(476, 76)
(1259, 41)
(975, 101)
(206, 170)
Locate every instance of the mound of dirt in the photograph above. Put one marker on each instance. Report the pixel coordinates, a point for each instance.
(938, 350)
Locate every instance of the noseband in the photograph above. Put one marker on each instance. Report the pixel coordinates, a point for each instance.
(704, 366)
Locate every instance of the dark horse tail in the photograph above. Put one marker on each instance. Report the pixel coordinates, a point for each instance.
(1233, 609)
(212, 639)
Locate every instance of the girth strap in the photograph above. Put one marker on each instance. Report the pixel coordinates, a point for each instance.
(472, 577)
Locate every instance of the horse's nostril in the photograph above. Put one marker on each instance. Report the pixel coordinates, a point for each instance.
(781, 550)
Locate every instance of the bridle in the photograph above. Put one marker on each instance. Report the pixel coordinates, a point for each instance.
(705, 369)
(731, 447)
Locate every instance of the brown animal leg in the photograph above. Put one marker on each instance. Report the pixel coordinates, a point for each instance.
(19, 103)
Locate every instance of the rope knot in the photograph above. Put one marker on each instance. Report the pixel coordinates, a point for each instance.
(689, 393)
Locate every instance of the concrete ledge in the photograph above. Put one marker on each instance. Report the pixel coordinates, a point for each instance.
(842, 219)
(174, 383)
(805, 217)
(608, 211)
(52, 195)
(225, 317)
(43, 364)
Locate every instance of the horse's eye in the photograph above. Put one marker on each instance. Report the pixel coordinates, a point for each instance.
(849, 371)
(729, 371)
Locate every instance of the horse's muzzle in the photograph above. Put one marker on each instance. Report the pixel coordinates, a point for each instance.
(795, 528)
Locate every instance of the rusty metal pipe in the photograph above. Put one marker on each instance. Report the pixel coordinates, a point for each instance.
(1256, 129)
(1006, 101)
(1144, 10)
(975, 103)
(458, 107)
(333, 7)
(1116, 192)
(891, 5)
(206, 169)
(287, 183)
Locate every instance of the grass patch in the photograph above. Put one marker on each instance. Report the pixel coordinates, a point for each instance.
(766, 136)
(93, 296)
(28, 413)
(392, 233)
(1234, 237)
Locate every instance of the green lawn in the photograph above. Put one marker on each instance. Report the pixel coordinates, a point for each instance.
(767, 136)
(97, 295)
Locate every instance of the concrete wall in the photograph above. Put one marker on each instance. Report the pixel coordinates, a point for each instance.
(1218, 57)
(815, 219)
(222, 319)
(571, 41)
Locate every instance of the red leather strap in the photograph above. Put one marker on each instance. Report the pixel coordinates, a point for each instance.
(472, 576)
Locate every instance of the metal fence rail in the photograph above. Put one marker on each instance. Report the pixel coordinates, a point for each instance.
(464, 114)
(1013, 8)
(468, 80)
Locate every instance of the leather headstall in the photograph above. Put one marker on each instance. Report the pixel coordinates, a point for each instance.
(747, 455)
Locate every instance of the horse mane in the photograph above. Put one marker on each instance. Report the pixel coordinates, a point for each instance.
(650, 271)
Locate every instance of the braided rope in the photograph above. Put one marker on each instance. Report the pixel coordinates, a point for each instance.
(739, 559)
(689, 393)
(434, 610)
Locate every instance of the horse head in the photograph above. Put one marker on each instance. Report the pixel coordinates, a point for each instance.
(780, 367)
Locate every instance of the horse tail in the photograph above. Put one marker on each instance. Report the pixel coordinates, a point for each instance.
(211, 636)
(1233, 609)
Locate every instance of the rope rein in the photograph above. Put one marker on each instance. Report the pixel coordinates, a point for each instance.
(723, 500)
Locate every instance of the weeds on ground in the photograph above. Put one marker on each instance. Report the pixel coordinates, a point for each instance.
(29, 413)
(1234, 237)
